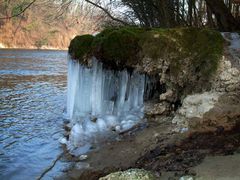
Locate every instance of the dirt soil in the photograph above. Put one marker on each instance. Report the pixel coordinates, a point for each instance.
(169, 155)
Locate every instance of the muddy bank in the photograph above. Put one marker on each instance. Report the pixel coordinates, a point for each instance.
(159, 150)
(191, 118)
(189, 152)
(122, 154)
(219, 167)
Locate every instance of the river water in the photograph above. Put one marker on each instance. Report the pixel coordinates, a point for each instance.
(32, 107)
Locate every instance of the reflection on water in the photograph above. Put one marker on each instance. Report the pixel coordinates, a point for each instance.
(32, 100)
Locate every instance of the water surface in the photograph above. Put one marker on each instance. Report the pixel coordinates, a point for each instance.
(32, 105)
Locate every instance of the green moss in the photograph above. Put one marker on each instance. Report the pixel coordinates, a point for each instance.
(117, 46)
(80, 47)
(201, 48)
(185, 49)
(207, 50)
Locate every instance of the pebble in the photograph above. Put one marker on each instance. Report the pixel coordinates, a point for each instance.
(82, 165)
(63, 140)
(83, 157)
(186, 178)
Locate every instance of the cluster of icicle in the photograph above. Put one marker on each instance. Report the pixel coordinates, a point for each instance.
(234, 40)
(100, 101)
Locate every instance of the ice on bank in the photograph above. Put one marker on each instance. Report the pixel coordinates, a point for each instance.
(102, 101)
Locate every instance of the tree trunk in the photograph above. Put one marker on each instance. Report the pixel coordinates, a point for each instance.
(190, 11)
(210, 22)
(225, 20)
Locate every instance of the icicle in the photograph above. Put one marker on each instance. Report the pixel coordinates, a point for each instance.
(101, 100)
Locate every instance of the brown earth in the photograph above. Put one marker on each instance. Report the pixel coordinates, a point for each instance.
(157, 149)
(169, 154)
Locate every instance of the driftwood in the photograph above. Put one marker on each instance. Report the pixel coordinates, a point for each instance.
(50, 167)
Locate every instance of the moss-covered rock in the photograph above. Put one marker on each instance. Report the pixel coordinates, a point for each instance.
(186, 58)
(80, 47)
(182, 57)
(128, 46)
(131, 174)
(117, 47)
(201, 47)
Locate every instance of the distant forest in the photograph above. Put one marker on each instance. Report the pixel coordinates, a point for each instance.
(44, 23)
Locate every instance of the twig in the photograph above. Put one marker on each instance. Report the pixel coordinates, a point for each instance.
(107, 12)
(15, 15)
(50, 167)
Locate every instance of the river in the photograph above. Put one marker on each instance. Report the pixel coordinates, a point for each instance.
(32, 107)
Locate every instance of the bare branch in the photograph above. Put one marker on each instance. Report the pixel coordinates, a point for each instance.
(21, 12)
(107, 12)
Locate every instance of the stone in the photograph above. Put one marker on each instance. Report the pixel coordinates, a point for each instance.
(227, 77)
(63, 140)
(133, 174)
(194, 107)
(168, 96)
(224, 112)
(186, 178)
(82, 165)
(219, 107)
(67, 127)
(83, 157)
(162, 108)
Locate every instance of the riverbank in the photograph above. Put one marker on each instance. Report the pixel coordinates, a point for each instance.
(195, 111)
(163, 152)
(2, 46)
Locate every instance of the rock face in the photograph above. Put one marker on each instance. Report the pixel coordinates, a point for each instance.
(219, 107)
(198, 73)
(198, 85)
(183, 58)
(208, 112)
(133, 174)
(156, 109)
(193, 109)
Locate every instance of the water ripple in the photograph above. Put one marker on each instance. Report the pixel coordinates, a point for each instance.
(32, 100)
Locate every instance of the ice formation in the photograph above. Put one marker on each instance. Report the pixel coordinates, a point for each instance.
(234, 48)
(100, 101)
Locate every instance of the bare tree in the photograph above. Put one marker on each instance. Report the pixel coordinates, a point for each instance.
(107, 12)
(225, 20)
(22, 10)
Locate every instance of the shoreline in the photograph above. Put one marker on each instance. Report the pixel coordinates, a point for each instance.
(161, 151)
(206, 123)
(33, 48)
